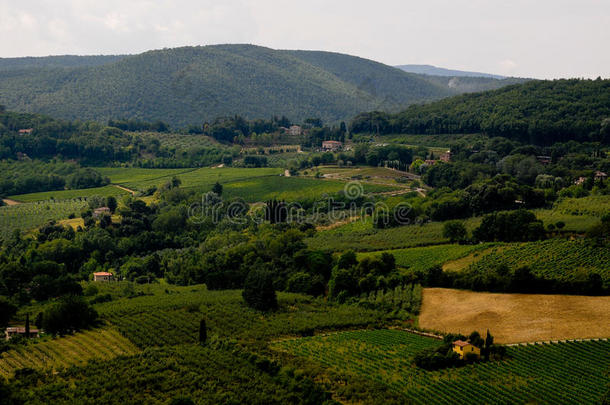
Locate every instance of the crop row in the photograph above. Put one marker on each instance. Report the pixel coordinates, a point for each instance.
(554, 373)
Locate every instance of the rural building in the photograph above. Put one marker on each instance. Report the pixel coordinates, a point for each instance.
(295, 130)
(19, 331)
(103, 276)
(464, 349)
(445, 157)
(600, 176)
(580, 180)
(26, 131)
(331, 145)
(545, 160)
(98, 212)
(430, 162)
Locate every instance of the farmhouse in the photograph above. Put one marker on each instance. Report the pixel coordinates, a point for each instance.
(98, 212)
(331, 145)
(545, 160)
(600, 176)
(445, 157)
(464, 348)
(103, 276)
(19, 331)
(26, 131)
(580, 180)
(295, 130)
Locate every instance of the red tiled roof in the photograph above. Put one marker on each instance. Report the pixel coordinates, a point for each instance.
(102, 273)
(460, 343)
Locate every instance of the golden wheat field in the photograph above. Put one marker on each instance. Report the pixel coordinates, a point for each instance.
(515, 318)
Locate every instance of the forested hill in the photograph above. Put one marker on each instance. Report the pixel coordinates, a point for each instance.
(190, 85)
(537, 112)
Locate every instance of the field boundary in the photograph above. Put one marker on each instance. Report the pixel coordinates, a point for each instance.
(548, 342)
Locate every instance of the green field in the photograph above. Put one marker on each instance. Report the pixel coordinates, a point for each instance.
(32, 215)
(178, 314)
(180, 141)
(120, 175)
(67, 351)
(553, 258)
(423, 258)
(204, 178)
(361, 236)
(559, 373)
(70, 194)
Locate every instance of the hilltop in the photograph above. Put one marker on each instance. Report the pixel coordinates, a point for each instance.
(190, 85)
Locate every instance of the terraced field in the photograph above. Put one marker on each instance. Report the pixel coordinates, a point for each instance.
(67, 351)
(558, 373)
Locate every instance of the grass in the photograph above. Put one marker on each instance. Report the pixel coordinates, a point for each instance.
(555, 373)
(66, 351)
(69, 194)
(423, 258)
(515, 317)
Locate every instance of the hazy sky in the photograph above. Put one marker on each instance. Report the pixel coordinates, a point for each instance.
(531, 38)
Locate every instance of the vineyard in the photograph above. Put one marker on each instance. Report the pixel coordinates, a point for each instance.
(423, 258)
(559, 373)
(177, 315)
(120, 175)
(69, 194)
(362, 236)
(66, 351)
(553, 259)
(204, 178)
(32, 215)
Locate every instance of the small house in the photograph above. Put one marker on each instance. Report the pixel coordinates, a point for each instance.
(295, 130)
(103, 276)
(26, 131)
(445, 157)
(98, 212)
(19, 331)
(580, 180)
(465, 348)
(545, 160)
(331, 145)
(600, 176)
(430, 162)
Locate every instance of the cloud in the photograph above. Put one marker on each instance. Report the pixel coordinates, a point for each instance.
(463, 34)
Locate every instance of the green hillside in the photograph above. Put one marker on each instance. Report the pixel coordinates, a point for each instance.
(536, 112)
(193, 84)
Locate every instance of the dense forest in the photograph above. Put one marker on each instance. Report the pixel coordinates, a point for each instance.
(191, 85)
(536, 112)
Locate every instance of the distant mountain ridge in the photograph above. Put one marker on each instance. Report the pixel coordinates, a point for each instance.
(191, 85)
(438, 71)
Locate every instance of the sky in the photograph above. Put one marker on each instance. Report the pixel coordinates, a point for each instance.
(524, 38)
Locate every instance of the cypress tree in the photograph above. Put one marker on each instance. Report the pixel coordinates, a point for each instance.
(203, 331)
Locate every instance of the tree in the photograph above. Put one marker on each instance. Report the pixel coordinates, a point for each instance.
(27, 325)
(7, 311)
(203, 331)
(111, 203)
(217, 188)
(489, 341)
(69, 314)
(259, 292)
(455, 231)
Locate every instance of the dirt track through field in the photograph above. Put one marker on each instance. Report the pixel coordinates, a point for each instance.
(8, 201)
(515, 318)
